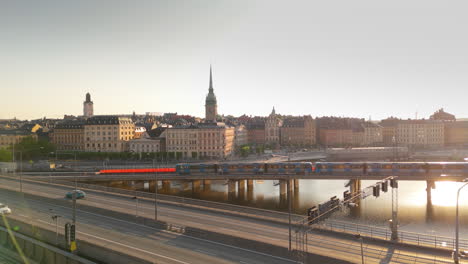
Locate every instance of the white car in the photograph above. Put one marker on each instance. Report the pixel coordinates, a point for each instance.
(4, 209)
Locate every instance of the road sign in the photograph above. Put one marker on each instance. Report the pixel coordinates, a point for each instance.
(73, 246)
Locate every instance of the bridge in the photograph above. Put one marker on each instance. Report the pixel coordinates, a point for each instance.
(193, 234)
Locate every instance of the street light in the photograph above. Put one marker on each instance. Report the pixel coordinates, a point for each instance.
(457, 254)
(359, 237)
(55, 218)
(136, 206)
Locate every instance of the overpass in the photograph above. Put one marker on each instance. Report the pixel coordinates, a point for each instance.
(111, 220)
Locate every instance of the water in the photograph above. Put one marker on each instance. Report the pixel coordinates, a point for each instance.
(415, 213)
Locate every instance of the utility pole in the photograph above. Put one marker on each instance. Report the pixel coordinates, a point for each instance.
(156, 195)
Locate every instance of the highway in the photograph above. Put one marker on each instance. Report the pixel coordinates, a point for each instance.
(168, 247)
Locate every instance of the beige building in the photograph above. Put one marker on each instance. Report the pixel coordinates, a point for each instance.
(272, 129)
(146, 144)
(298, 131)
(456, 134)
(240, 136)
(69, 136)
(420, 133)
(212, 141)
(373, 134)
(108, 133)
(14, 136)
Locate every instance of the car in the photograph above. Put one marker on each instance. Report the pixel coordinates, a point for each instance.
(4, 209)
(79, 194)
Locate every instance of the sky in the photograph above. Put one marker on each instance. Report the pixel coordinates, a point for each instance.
(367, 59)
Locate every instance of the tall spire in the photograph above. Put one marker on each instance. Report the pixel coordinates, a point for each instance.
(273, 112)
(211, 82)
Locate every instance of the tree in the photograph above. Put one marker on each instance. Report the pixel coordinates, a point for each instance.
(5, 155)
(31, 148)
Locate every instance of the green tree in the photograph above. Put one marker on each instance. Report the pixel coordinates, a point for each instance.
(5, 155)
(31, 148)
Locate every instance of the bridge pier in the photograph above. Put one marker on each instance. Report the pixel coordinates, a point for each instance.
(296, 185)
(166, 186)
(231, 189)
(250, 188)
(283, 191)
(206, 185)
(430, 185)
(354, 188)
(241, 189)
(196, 186)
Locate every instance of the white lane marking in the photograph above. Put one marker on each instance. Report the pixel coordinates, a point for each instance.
(138, 249)
(205, 252)
(196, 238)
(124, 245)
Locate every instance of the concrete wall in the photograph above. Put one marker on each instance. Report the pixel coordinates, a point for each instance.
(37, 251)
(42, 252)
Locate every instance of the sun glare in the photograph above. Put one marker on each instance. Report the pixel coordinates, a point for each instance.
(445, 194)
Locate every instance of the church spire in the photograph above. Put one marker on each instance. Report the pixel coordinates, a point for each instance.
(211, 82)
(273, 112)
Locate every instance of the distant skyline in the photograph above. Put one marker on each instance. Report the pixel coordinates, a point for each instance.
(323, 58)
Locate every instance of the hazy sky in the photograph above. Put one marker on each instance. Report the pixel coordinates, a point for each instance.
(342, 58)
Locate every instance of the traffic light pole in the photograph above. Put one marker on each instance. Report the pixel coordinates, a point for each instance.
(394, 225)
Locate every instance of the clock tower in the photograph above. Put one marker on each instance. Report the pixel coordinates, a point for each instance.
(211, 107)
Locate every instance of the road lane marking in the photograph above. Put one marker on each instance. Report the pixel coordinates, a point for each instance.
(124, 245)
(206, 252)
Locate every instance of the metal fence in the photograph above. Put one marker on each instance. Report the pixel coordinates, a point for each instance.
(432, 241)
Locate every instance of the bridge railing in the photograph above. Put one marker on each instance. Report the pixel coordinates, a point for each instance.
(439, 242)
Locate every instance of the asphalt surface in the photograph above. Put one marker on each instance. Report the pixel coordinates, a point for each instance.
(169, 247)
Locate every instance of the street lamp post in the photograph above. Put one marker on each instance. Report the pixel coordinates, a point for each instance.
(55, 217)
(358, 236)
(136, 207)
(457, 251)
(156, 196)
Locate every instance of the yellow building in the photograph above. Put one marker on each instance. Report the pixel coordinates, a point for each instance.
(108, 133)
(212, 141)
(69, 136)
(14, 136)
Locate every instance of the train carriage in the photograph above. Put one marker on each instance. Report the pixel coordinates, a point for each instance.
(183, 168)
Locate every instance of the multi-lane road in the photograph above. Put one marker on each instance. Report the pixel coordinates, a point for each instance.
(168, 247)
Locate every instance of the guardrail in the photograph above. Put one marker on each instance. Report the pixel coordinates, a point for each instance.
(432, 241)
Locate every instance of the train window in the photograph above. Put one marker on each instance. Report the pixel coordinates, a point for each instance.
(356, 166)
(387, 166)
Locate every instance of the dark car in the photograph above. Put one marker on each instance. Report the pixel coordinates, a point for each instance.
(79, 194)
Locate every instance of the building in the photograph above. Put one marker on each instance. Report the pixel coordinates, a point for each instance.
(272, 129)
(256, 131)
(69, 136)
(456, 134)
(146, 144)
(205, 140)
(389, 131)
(139, 131)
(373, 134)
(108, 133)
(420, 133)
(298, 131)
(442, 115)
(240, 136)
(211, 107)
(10, 137)
(88, 108)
